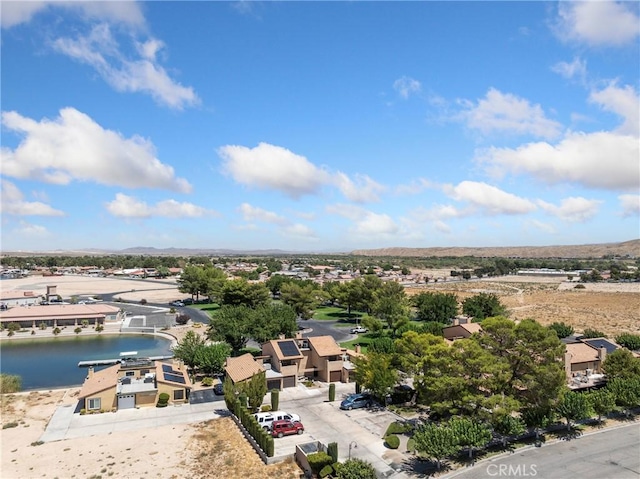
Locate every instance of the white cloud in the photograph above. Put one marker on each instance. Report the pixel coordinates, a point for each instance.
(300, 231)
(504, 112)
(74, 147)
(13, 203)
(125, 206)
(362, 190)
(252, 213)
(598, 22)
(366, 224)
(597, 160)
(630, 205)
(489, 199)
(31, 231)
(127, 12)
(546, 227)
(576, 69)
(414, 187)
(623, 101)
(440, 212)
(574, 209)
(406, 86)
(101, 51)
(272, 167)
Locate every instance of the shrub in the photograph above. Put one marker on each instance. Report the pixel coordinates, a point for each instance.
(33, 332)
(318, 460)
(83, 412)
(265, 408)
(392, 441)
(332, 392)
(172, 311)
(593, 333)
(182, 319)
(332, 450)
(562, 329)
(629, 341)
(9, 425)
(579, 286)
(163, 400)
(275, 399)
(326, 471)
(99, 328)
(85, 323)
(270, 446)
(78, 330)
(143, 301)
(57, 331)
(42, 326)
(397, 428)
(13, 327)
(207, 382)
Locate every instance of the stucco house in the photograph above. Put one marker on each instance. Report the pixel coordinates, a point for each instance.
(583, 361)
(324, 359)
(134, 383)
(462, 327)
(242, 368)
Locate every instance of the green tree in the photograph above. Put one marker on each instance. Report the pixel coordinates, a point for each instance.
(411, 349)
(561, 329)
(469, 433)
(506, 426)
(187, 348)
(629, 341)
(625, 391)
(593, 333)
(602, 402)
(390, 305)
(190, 281)
(435, 441)
(239, 292)
(573, 406)
(303, 298)
(537, 417)
(210, 358)
(212, 282)
(270, 321)
(621, 364)
(255, 390)
(231, 324)
(356, 469)
(439, 307)
(483, 305)
(375, 372)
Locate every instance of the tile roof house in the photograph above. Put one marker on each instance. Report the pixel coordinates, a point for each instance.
(61, 314)
(462, 327)
(134, 383)
(284, 362)
(583, 361)
(243, 367)
(325, 359)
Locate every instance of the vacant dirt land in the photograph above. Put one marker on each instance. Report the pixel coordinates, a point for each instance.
(608, 307)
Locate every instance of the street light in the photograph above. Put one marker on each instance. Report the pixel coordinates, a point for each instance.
(355, 446)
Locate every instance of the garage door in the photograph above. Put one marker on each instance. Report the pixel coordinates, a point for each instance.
(127, 401)
(273, 384)
(289, 381)
(335, 376)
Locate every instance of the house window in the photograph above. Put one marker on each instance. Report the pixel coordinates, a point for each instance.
(130, 373)
(178, 394)
(93, 403)
(144, 371)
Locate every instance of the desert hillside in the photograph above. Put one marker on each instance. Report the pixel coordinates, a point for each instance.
(626, 248)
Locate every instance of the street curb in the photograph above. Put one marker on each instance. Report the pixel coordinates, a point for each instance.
(528, 448)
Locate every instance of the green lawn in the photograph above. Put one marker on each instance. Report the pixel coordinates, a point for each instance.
(363, 340)
(209, 307)
(335, 313)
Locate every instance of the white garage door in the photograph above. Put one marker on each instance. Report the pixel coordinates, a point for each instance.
(127, 401)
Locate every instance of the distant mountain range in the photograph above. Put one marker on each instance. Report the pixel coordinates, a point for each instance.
(624, 249)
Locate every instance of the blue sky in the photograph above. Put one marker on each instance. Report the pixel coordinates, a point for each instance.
(319, 126)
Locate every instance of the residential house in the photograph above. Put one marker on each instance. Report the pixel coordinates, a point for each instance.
(243, 368)
(583, 361)
(134, 383)
(323, 359)
(462, 327)
(283, 361)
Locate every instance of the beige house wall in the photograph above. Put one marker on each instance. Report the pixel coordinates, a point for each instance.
(146, 399)
(107, 400)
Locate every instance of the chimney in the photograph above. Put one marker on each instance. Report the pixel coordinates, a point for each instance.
(456, 321)
(281, 336)
(90, 372)
(602, 354)
(567, 364)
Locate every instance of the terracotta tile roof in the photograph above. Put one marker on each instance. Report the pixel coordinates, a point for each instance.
(582, 353)
(242, 368)
(100, 381)
(59, 311)
(325, 345)
(472, 327)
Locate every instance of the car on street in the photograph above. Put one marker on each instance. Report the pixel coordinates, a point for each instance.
(355, 401)
(359, 329)
(218, 389)
(179, 304)
(286, 427)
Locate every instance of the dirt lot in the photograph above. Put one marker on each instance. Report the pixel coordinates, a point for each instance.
(611, 308)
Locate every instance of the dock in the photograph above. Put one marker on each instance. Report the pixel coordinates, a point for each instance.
(107, 362)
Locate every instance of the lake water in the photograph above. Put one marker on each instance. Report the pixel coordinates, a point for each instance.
(52, 363)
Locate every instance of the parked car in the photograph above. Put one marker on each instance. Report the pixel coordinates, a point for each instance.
(359, 329)
(266, 419)
(355, 401)
(285, 428)
(218, 389)
(179, 304)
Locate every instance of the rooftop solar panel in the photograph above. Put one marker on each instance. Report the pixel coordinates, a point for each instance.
(167, 368)
(174, 378)
(289, 348)
(602, 343)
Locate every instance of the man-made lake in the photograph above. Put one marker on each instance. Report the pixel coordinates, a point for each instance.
(52, 363)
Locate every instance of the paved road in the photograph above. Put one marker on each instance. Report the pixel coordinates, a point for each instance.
(326, 328)
(611, 454)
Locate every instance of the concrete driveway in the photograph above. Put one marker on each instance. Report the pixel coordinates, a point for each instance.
(324, 421)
